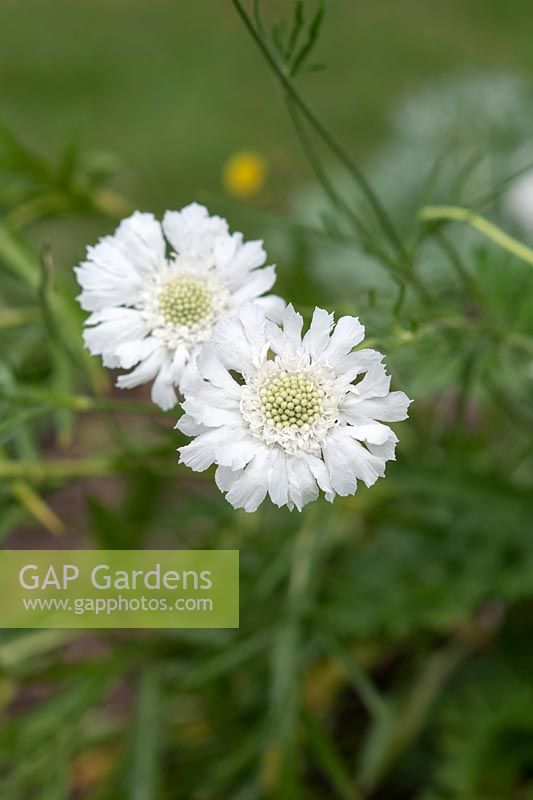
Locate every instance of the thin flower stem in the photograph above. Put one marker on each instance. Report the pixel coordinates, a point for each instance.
(338, 201)
(313, 159)
(321, 129)
(68, 469)
(79, 403)
(492, 232)
(35, 505)
(460, 269)
(57, 469)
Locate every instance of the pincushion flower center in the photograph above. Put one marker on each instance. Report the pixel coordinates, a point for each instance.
(291, 401)
(185, 301)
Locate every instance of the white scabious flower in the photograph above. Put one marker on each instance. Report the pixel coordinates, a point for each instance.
(301, 416)
(153, 309)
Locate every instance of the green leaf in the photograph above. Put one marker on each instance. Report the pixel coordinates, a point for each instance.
(312, 37)
(143, 778)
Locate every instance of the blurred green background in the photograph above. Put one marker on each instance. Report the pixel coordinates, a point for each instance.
(402, 670)
(172, 89)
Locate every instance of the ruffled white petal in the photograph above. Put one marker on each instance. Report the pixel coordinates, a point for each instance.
(140, 239)
(112, 327)
(145, 371)
(192, 230)
(316, 339)
(163, 391)
(389, 408)
(107, 278)
(250, 488)
(273, 306)
(225, 446)
(287, 342)
(235, 260)
(240, 340)
(258, 283)
(347, 334)
(302, 484)
(188, 425)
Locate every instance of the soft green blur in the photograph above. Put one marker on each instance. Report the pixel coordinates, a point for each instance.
(173, 88)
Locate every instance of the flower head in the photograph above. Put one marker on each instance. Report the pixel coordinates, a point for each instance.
(304, 413)
(154, 305)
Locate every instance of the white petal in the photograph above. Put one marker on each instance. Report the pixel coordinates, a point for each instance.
(321, 474)
(302, 483)
(354, 364)
(316, 339)
(193, 230)
(205, 409)
(200, 453)
(107, 278)
(187, 425)
(140, 239)
(372, 432)
(163, 391)
(211, 368)
(226, 477)
(376, 383)
(250, 488)
(112, 327)
(189, 374)
(235, 260)
(287, 342)
(146, 371)
(387, 450)
(366, 466)
(240, 339)
(391, 408)
(258, 283)
(130, 353)
(347, 334)
(292, 326)
(278, 479)
(337, 460)
(179, 360)
(273, 306)
(237, 448)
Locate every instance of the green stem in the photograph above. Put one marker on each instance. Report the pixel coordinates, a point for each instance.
(322, 131)
(492, 232)
(57, 469)
(80, 403)
(336, 199)
(279, 764)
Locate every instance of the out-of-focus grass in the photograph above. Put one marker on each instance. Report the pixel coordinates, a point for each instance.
(174, 87)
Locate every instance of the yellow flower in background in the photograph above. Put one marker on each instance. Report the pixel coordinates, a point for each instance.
(244, 173)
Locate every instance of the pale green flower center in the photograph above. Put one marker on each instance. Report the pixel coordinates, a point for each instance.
(184, 301)
(291, 400)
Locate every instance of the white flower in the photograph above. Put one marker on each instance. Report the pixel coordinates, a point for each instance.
(152, 310)
(302, 414)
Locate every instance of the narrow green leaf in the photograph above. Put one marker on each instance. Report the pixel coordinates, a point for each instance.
(144, 773)
(329, 760)
(297, 24)
(312, 37)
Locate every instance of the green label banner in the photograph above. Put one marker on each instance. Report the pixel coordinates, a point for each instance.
(119, 589)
